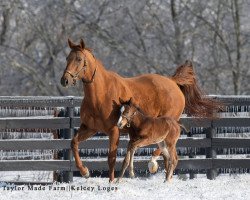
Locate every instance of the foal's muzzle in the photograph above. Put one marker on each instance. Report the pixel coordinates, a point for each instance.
(120, 126)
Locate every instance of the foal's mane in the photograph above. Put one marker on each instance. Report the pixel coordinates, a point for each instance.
(131, 104)
(139, 109)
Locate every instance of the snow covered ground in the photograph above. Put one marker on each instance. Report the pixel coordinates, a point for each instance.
(225, 187)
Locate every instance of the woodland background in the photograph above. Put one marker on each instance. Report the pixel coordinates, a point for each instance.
(129, 37)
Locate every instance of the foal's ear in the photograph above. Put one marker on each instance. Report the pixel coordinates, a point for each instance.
(121, 101)
(71, 44)
(82, 44)
(130, 101)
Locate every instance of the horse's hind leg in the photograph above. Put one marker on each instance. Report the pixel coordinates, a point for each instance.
(83, 134)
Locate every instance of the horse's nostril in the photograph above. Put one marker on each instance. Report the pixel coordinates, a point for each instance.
(64, 82)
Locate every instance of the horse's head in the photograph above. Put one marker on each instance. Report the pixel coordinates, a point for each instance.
(127, 112)
(81, 65)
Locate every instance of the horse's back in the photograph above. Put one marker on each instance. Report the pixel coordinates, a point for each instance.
(157, 95)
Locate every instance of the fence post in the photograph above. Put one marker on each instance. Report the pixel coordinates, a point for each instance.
(192, 173)
(211, 152)
(69, 133)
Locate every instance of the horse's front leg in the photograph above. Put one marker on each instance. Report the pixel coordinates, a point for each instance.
(113, 145)
(83, 134)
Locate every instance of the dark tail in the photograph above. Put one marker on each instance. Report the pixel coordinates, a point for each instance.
(196, 103)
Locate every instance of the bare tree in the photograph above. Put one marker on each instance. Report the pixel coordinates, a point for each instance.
(128, 36)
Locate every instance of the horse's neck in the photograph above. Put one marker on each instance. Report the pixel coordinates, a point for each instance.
(96, 89)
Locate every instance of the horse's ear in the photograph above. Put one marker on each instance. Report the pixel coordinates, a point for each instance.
(82, 44)
(189, 63)
(71, 44)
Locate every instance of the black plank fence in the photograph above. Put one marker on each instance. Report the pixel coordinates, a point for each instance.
(203, 152)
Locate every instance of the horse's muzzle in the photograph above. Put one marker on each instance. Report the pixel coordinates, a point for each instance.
(64, 82)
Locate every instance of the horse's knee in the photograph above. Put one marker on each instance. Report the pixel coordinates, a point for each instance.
(111, 158)
(74, 143)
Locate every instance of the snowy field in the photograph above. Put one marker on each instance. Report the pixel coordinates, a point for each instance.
(235, 187)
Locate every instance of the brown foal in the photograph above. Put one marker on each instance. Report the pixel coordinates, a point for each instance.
(163, 131)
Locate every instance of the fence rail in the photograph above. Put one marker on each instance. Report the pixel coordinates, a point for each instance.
(70, 122)
(57, 144)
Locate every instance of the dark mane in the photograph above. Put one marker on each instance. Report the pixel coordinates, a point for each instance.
(79, 48)
(137, 108)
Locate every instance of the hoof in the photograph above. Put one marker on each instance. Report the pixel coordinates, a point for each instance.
(112, 181)
(86, 175)
(153, 167)
(118, 180)
(168, 181)
(131, 175)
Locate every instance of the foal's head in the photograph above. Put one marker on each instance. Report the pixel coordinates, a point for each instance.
(81, 65)
(127, 113)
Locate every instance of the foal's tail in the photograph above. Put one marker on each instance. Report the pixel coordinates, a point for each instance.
(196, 103)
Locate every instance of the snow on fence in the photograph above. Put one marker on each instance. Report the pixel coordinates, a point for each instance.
(206, 144)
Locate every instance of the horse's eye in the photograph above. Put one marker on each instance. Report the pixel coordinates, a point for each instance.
(79, 59)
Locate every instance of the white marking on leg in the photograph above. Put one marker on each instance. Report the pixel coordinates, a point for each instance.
(162, 145)
(154, 158)
(153, 165)
(131, 165)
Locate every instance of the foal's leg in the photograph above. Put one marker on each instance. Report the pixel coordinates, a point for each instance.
(135, 145)
(113, 145)
(167, 158)
(83, 134)
(174, 160)
(131, 163)
(171, 141)
(128, 160)
(125, 162)
(153, 165)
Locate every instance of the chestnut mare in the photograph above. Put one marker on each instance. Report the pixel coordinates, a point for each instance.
(163, 131)
(156, 95)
